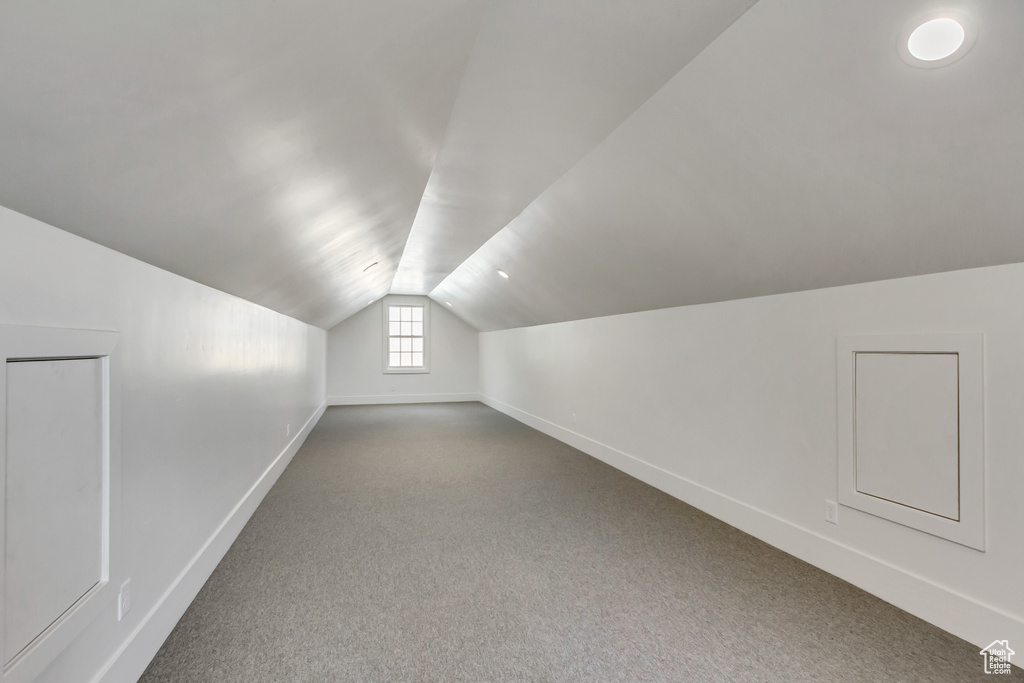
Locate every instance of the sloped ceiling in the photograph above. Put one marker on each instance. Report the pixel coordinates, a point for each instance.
(610, 156)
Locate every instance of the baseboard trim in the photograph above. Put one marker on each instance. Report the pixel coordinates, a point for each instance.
(964, 617)
(387, 399)
(135, 654)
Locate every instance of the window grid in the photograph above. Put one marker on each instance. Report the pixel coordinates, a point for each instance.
(405, 336)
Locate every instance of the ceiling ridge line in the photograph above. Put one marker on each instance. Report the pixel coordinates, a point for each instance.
(595, 147)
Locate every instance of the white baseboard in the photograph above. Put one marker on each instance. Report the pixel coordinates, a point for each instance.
(135, 654)
(964, 617)
(387, 399)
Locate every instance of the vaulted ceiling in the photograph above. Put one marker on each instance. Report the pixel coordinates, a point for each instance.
(609, 156)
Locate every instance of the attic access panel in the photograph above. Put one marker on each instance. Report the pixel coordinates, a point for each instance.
(59, 490)
(54, 493)
(910, 431)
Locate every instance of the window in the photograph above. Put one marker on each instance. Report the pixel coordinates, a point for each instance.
(405, 334)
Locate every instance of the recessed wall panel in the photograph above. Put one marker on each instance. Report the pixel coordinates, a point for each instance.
(911, 431)
(906, 430)
(54, 492)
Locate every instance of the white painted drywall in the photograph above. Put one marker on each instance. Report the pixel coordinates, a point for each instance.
(732, 407)
(209, 384)
(355, 361)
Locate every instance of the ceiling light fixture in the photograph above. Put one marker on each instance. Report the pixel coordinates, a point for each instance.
(448, 303)
(502, 273)
(371, 266)
(936, 40)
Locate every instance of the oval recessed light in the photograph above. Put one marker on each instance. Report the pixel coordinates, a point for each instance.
(375, 263)
(936, 40)
(502, 273)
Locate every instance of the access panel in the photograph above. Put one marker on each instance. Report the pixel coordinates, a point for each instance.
(54, 492)
(910, 431)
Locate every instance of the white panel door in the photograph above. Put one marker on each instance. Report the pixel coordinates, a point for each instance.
(54, 492)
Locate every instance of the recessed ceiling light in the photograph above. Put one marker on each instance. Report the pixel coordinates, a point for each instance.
(371, 266)
(936, 40)
(502, 273)
(369, 302)
(448, 303)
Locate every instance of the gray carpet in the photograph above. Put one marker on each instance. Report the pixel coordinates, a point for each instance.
(449, 542)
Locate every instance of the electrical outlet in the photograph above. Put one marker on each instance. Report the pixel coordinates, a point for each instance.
(288, 430)
(574, 418)
(831, 512)
(124, 599)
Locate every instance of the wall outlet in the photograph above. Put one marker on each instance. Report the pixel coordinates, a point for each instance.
(831, 512)
(574, 418)
(124, 599)
(288, 430)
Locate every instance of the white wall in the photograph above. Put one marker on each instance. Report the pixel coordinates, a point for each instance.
(732, 408)
(209, 383)
(355, 361)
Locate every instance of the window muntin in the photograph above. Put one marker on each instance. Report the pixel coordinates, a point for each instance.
(405, 336)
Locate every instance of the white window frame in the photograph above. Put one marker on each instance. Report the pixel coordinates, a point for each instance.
(421, 302)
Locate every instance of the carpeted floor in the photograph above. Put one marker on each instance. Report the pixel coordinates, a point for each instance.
(448, 542)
